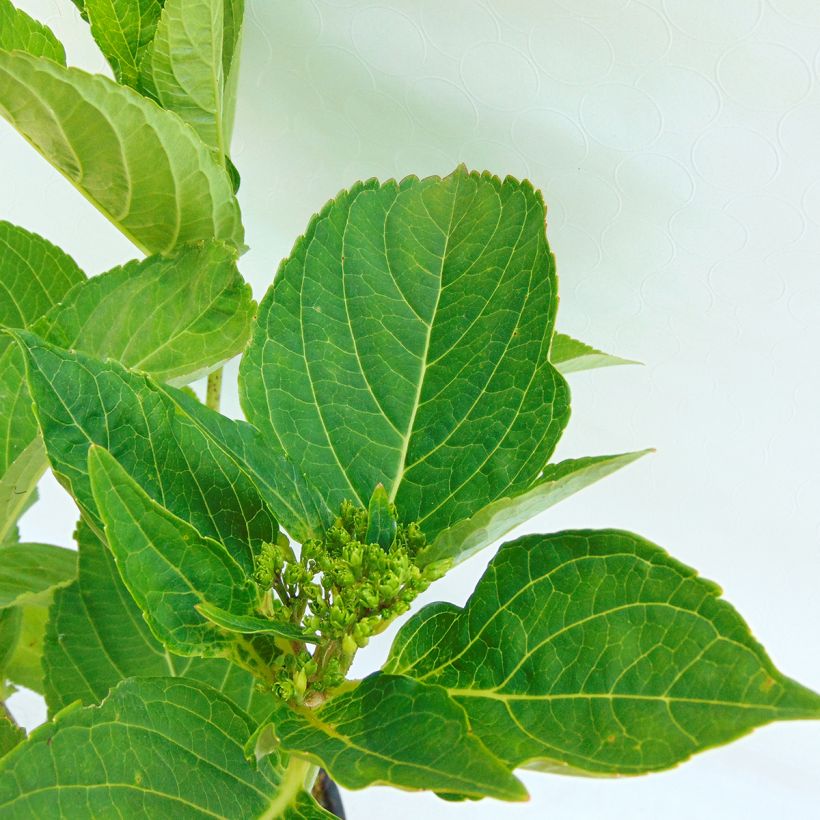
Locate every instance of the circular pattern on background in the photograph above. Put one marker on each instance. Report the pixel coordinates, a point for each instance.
(594, 8)
(734, 158)
(442, 107)
(620, 116)
(655, 181)
(771, 222)
(764, 76)
(486, 69)
(707, 232)
(634, 244)
(389, 41)
(639, 34)
(549, 138)
(589, 200)
(714, 21)
(734, 280)
(571, 51)
(804, 12)
(443, 24)
(688, 100)
(798, 133)
(811, 203)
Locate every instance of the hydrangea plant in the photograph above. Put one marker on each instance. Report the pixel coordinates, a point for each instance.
(404, 390)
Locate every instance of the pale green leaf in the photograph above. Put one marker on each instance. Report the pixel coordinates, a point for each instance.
(166, 564)
(20, 32)
(220, 475)
(29, 571)
(233, 18)
(392, 730)
(570, 356)
(183, 69)
(405, 342)
(24, 667)
(596, 651)
(156, 748)
(10, 623)
(140, 165)
(381, 524)
(96, 637)
(251, 625)
(123, 30)
(488, 525)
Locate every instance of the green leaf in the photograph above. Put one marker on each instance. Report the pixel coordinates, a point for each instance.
(123, 30)
(96, 637)
(488, 525)
(19, 32)
(167, 565)
(10, 733)
(381, 524)
(195, 313)
(570, 356)
(140, 165)
(218, 474)
(250, 625)
(168, 748)
(28, 571)
(233, 18)
(183, 68)
(405, 342)
(596, 651)
(10, 623)
(392, 730)
(24, 666)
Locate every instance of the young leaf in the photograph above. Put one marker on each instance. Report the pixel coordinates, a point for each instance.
(570, 356)
(10, 733)
(392, 730)
(559, 481)
(233, 18)
(19, 32)
(167, 565)
(183, 68)
(596, 651)
(157, 747)
(24, 667)
(381, 524)
(405, 342)
(30, 571)
(217, 474)
(195, 313)
(250, 625)
(141, 166)
(123, 30)
(10, 623)
(96, 637)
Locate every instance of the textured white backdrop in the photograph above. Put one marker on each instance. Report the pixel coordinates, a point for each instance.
(678, 146)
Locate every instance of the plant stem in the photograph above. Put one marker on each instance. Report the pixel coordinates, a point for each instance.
(213, 394)
(298, 775)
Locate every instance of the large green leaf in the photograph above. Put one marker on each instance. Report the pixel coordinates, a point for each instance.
(28, 571)
(96, 637)
(140, 165)
(405, 342)
(596, 651)
(20, 32)
(156, 748)
(195, 312)
(168, 566)
(559, 481)
(183, 68)
(570, 356)
(392, 730)
(219, 475)
(123, 30)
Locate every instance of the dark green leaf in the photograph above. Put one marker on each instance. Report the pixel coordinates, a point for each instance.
(392, 730)
(156, 748)
(596, 651)
(167, 565)
(28, 571)
(405, 342)
(123, 30)
(249, 625)
(381, 524)
(141, 166)
(96, 637)
(20, 32)
(569, 355)
(221, 473)
(488, 525)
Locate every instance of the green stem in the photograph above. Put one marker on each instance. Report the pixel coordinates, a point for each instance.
(299, 775)
(213, 394)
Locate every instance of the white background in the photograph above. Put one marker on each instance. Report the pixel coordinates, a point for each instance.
(678, 146)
